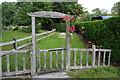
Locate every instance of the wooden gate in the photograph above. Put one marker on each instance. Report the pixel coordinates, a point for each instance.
(53, 60)
(50, 60)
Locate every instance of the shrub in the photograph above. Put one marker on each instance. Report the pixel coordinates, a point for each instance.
(16, 28)
(60, 27)
(105, 33)
(29, 29)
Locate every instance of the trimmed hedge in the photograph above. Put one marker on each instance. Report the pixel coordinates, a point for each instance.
(103, 33)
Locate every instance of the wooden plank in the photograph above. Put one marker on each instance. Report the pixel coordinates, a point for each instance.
(0, 67)
(80, 67)
(67, 46)
(15, 73)
(51, 60)
(57, 59)
(24, 45)
(8, 63)
(81, 58)
(33, 66)
(104, 57)
(3, 53)
(109, 58)
(16, 62)
(38, 58)
(93, 56)
(76, 49)
(22, 39)
(44, 61)
(45, 37)
(74, 58)
(87, 58)
(7, 43)
(99, 54)
(103, 50)
(24, 61)
(62, 59)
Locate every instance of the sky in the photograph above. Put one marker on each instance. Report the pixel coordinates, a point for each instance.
(102, 4)
(90, 4)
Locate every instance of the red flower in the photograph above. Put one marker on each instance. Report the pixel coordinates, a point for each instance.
(76, 11)
(83, 32)
(72, 18)
(63, 20)
(72, 29)
(66, 18)
(89, 41)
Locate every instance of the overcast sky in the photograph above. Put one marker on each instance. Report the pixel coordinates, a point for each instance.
(90, 4)
(102, 4)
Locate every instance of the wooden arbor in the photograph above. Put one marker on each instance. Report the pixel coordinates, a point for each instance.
(48, 14)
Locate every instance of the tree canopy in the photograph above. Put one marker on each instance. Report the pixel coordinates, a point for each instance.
(116, 9)
(16, 13)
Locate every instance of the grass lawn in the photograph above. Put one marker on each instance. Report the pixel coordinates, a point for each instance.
(48, 43)
(51, 43)
(101, 72)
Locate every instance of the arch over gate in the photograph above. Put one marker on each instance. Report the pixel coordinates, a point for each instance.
(48, 14)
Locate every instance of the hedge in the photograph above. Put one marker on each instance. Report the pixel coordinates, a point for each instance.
(103, 33)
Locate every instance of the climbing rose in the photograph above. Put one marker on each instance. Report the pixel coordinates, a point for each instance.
(70, 30)
(72, 18)
(76, 10)
(73, 28)
(63, 20)
(66, 18)
(83, 32)
(89, 41)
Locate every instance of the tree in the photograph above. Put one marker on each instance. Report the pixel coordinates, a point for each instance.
(8, 12)
(97, 12)
(26, 7)
(66, 7)
(100, 12)
(116, 9)
(104, 12)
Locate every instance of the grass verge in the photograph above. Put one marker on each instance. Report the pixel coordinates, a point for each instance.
(100, 72)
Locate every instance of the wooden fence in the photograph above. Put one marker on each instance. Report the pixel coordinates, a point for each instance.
(8, 71)
(93, 58)
(14, 42)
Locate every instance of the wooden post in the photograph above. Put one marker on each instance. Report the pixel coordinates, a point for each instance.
(93, 56)
(62, 58)
(33, 57)
(15, 44)
(16, 56)
(67, 46)
(109, 58)
(0, 67)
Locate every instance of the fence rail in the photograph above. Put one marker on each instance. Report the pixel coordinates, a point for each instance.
(22, 39)
(93, 58)
(14, 42)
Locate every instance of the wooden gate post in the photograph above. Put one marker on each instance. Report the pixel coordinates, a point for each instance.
(67, 46)
(0, 67)
(33, 55)
(93, 56)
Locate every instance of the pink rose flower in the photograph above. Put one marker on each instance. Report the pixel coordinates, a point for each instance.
(76, 11)
(72, 18)
(83, 32)
(89, 41)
